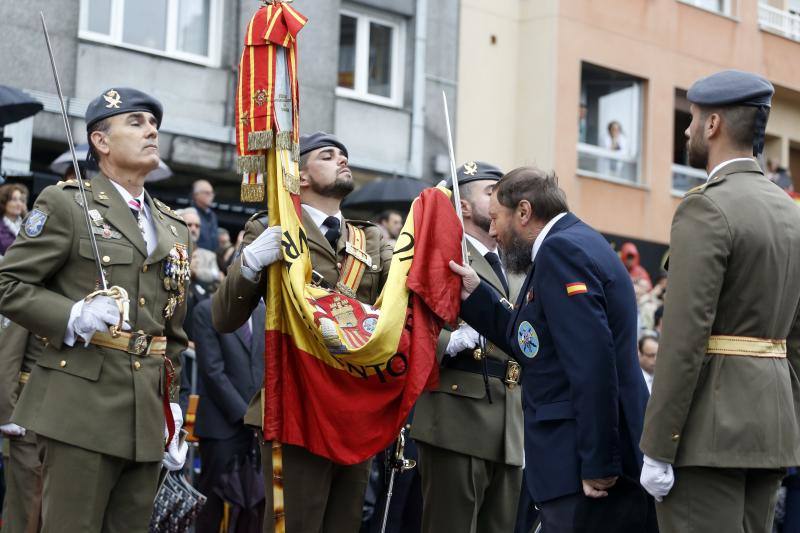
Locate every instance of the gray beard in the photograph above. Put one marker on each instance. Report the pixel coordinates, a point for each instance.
(517, 258)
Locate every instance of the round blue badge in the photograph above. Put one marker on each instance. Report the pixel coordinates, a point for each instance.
(528, 339)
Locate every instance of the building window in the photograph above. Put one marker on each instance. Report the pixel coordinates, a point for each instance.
(723, 7)
(609, 124)
(684, 177)
(182, 29)
(371, 57)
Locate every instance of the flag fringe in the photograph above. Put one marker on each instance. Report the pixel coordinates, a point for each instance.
(252, 192)
(251, 164)
(259, 140)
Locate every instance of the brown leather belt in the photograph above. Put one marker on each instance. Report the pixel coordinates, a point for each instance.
(746, 346)
(135, 343)
(509, 372)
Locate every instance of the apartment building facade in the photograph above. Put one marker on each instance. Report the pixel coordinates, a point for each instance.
(597, 92)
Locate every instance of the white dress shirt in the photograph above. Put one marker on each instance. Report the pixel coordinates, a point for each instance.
(724, 163)
(150, 237)
(648, 380)
(319, 218)
(540, 238)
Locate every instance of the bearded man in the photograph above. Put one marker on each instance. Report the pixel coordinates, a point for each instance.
(573, 329)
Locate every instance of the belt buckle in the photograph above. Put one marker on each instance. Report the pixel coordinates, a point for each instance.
(138, 343)
(513, 370)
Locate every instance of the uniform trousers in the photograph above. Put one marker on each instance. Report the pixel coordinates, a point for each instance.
(733, 500)
(465, 493)
(23, 476)
(319, 495)
(86, 491)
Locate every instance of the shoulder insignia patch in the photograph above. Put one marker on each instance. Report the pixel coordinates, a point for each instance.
(34, 224)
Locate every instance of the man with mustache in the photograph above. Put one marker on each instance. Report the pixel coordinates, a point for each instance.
(723, 420)
(573, 329)
(469, 430)
(98, 400)
(319, 495)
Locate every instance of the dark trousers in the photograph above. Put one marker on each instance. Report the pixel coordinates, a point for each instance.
(86, 491)
(626, 509)
(216, 458)
(23, 476)
(319, 495)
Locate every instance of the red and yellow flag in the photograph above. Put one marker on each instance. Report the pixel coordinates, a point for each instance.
(341, 376)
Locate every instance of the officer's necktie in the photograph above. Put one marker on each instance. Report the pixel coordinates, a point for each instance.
(494, 261)
(136, 209)
(332, 235)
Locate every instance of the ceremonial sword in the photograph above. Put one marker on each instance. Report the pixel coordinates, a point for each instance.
(454, 175)
(398, 464)
(119, 294)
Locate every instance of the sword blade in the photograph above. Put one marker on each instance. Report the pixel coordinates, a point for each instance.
(454, 176)
(75, 165)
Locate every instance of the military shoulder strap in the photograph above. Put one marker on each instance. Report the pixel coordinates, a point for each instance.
(356, 262)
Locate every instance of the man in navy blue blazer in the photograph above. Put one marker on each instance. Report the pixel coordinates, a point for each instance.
(573, 329)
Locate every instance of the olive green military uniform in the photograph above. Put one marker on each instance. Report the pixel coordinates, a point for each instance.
(319, 495)
(97, 412)
(728, 423)
(470, 449)
(21, 463)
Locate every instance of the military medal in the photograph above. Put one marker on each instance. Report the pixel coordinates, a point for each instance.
(169, 309)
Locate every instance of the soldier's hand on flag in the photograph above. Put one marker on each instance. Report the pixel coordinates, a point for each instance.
(469, 278)
(265, 250)
(95, 315)
(462, 339)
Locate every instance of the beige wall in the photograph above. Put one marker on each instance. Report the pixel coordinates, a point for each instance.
(665, 42)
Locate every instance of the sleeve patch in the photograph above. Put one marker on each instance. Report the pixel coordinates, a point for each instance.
(576, 288)
(34, 224)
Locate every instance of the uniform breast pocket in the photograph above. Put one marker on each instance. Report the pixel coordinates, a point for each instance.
(371, 282)
(111, 253)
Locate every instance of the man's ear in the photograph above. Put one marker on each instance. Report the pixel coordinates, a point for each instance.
(466, 209)
(305, 179)
(524, 212)
(713, 125)
(99, 140)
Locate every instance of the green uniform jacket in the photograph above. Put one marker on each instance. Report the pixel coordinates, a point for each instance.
(458, 416)
(237, 296)
(99, 399)
(14, 341)
(734, 269)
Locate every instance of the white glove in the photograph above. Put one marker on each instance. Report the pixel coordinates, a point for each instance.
(462, 339)
(265, 250)
(12, 430)
(175, 455)
(94, 316)
(657, 478)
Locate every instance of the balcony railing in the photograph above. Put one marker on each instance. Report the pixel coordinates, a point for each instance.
(603, 163)
(685, 178)
(778, 21)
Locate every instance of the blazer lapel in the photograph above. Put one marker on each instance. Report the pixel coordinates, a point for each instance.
(316, 237)
(117, 213)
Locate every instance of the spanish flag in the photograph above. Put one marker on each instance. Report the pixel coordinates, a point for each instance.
(341, 376)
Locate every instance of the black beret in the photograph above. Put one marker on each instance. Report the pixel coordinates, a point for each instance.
(475, 171)
(320, 139)
(122, 100)
(731, 87)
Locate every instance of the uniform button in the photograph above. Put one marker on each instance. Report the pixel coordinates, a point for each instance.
(106, 259)
(374, 267)
(144, 268)
(141, 302)
(675, 437)
(62, 364)
(453, 387)
(338, 265)
(137, 365)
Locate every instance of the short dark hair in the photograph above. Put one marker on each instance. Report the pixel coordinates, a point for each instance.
(658, 315)
(646, 337)
(103, 126)
(384, 215)
(740, 122)
(538, 187)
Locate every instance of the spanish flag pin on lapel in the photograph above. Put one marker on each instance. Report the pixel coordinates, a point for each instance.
(576, 288)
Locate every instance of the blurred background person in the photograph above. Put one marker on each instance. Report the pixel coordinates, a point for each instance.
(12, 204)
(390, 222)
(231, 370)
(630, 256)
(192, 219)
(225, 249)
(202, 197)
(648, 350)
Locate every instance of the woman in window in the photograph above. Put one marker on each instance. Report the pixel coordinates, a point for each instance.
(616, 142)
(12, 204)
